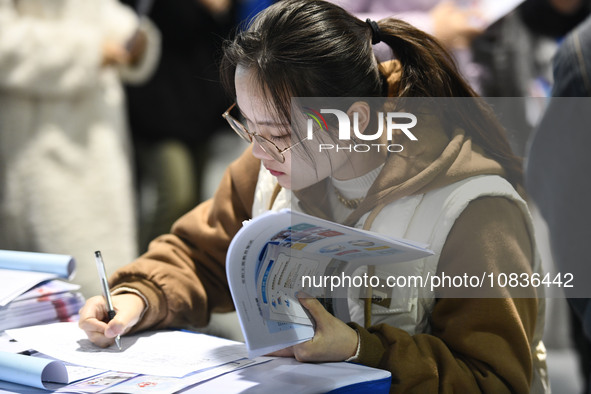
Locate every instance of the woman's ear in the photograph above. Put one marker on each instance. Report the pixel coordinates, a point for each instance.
(363, 111)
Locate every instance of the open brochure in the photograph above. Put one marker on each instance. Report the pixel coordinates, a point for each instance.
(280, 253)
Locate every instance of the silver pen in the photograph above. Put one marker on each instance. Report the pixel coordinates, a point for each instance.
(100, 266)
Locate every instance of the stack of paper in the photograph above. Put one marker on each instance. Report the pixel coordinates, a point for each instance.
(29, 293)
(52, 301)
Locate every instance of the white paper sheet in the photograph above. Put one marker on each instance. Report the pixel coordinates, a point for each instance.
(7, 344)
(493, 10)
(490, 10)
(163, 353)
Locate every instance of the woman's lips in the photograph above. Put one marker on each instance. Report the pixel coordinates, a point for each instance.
(274, 173)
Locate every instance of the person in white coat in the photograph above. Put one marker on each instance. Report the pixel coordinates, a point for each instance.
(66, 182)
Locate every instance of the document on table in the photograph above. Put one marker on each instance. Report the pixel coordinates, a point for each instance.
(162, 353)
(74, 372)
(169, 385)
(31, 371)
(15, 283)
(41, 371)
(94, 384)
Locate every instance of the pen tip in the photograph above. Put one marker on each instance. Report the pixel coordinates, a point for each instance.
(118, 341)
(97, 253)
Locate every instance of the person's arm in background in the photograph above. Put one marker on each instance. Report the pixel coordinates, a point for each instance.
(454, 26)
(557, 166)
(141, 44)
(363, 9)
(40, 57)
(60, 57)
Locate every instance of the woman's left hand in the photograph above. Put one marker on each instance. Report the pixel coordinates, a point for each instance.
(333, 340)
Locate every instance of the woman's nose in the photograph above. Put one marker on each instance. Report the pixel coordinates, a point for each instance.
(259, 152)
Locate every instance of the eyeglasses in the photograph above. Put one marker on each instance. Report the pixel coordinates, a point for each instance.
(267, 145)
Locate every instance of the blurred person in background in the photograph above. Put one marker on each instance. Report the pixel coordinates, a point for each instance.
(557, 178)
(517, 52)
(515, 59)
(65, 169)
(175, 114)
(502, 47)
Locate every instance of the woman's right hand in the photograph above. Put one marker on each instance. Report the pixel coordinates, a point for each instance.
(93, 317)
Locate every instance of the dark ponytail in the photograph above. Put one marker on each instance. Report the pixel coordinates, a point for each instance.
(428, 70)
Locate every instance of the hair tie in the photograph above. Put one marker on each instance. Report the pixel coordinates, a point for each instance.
(375, 31)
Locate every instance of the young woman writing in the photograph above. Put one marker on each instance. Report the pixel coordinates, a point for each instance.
(454, 188)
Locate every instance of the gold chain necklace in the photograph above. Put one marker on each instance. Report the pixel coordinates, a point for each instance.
(349, 203)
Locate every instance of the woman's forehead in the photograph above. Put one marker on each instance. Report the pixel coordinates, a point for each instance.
(251, 99)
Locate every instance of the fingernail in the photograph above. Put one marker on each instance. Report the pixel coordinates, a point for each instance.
(110, 332)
